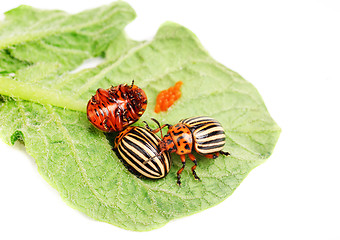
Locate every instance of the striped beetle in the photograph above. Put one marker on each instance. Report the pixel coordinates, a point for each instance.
(136, 146)
(204, 134)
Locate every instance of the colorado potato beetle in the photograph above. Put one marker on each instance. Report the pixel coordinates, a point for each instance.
(138, 148)
(203, 134)
(113, 109)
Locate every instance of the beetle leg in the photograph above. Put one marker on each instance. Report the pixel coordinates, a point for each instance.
(133, 82)
(225, 153)
(181, 170)
(212, 156)
(215, 155)
(131, 111)
(156, 130)
(118, 122)
(94, 100)
(107, 123)
(192, 158)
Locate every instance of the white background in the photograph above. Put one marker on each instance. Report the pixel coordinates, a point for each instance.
(290, 51)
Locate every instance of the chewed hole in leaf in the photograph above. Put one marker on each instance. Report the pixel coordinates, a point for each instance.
(17, 136)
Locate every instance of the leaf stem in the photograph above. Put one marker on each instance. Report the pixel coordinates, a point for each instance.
(12, 88)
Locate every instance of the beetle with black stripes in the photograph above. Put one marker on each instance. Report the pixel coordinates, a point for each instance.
(139, 148)
(203, 134)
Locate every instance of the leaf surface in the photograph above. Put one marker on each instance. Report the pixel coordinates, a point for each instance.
(43, 105)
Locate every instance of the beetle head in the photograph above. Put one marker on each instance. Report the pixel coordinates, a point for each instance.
(167, 144)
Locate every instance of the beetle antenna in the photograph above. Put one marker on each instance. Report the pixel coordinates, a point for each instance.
(147, 126)
(133, 82)
(159, 125)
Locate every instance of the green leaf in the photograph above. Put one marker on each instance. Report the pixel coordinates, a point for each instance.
(48, 114)
(31, 35)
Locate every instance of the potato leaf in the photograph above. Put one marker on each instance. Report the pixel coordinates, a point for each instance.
(43, 105)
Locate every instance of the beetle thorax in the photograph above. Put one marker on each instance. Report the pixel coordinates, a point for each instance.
(182, 138)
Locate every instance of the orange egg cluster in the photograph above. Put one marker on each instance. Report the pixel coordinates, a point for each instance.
(167, 97)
